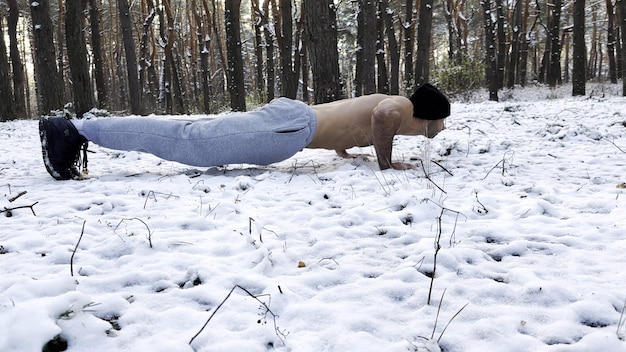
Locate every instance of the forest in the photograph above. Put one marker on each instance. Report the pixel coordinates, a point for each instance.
(208, 56)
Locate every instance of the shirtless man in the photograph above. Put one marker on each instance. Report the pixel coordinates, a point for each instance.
(270, 134)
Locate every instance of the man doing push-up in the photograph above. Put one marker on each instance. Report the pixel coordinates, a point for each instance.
(264, 136)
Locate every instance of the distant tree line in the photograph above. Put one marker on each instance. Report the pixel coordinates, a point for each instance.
(207, 56)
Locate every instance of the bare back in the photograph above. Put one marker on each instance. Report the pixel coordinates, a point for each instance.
(368, 120)
(345, 123)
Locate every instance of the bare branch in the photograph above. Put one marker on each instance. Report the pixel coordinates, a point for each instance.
(76, 248)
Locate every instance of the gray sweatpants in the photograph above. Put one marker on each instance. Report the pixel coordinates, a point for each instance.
(270, 134)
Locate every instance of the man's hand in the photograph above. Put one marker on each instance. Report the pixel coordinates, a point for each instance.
(403, 166)
(344, 154)
(399, 166)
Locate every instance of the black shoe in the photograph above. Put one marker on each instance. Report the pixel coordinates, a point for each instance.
(61, 145)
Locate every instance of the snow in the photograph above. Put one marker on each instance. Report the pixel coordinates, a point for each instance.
(526, 199)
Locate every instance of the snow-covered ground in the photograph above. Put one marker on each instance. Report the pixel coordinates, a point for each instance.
(525, 198)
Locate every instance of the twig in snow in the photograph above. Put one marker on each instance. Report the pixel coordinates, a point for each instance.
(438, 243)
(615, 145)
(429, 179)
(621, 326)
(481, 209)
(443, 168)
(143, 222)
(9, 211)
(432, 336)
(13, 199)
(154, 194)
(437, 248)
(503, 162)
(76, 248)
(281, 335)
(296, 167)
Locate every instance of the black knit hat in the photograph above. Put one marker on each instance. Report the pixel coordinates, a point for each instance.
(429, 103)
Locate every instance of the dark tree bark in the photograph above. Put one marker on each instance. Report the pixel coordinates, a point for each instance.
(77, 57)
(490, 51)
(48, 82)
(408, 30)
(424, 37)
(19, 85)
(7, 111)
(288, 68)
(502, 44)
(610, 41)
(98, 61)
(554, 72)
(365, 74)
(578, 70)
(621, 5)
(134, 89)
(236, 84)
(394, 50)
(544, 67)
(148, 80)
(61, 62)
(516, 39)
(304, 58)
(452, 31)
(524, 45)
(257, 20)
(321, 36)
(203, 45)
(268, 34)
(168, 32)
(382, 76)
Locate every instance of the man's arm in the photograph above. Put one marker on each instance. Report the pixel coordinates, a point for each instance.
(386, 119)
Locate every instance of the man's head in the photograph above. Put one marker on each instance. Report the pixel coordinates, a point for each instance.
(429, 103)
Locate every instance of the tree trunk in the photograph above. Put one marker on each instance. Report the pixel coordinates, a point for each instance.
(178, 103)
(610, 41)
(268, 34)
(592, 61)
(524, 45)
(19, 86)
(236, 84)
(257, 20)
(448, 10)
(490, 51)
(7, 111)
(77, 57)
(321, 37)
(621, 5)
(203, 46)
(304, 58)
(366, 48)
(288, 69)
(516, 39)
(554, 73)
(424, 35)
(382, 77)
(134, 89)
(98, 61)
(147, 74)
(394, 50)
(49, 85)
(61, 64)
(578, 70)
(409, 30)
(502, 44)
